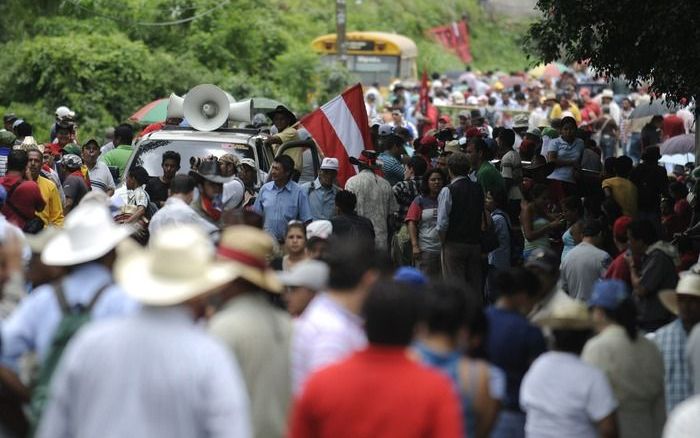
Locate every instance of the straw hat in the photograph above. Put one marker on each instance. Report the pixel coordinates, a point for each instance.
(689, 284)
(247, 249)
(178, 265)
(88, 234)
(568, 315)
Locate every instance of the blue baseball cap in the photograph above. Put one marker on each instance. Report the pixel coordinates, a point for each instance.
(608, 294)
(410, 275)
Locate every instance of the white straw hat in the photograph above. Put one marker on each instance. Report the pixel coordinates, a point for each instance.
(88, 234)
(688, 284)
(178, 265)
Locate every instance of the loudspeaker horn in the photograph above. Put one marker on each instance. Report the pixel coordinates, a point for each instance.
(241, 111)
(206, 107)
(175, 109)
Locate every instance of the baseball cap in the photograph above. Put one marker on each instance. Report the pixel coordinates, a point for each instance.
(248, 162)
(543, 258)
(71, 161)
(311, 274)
(329, 164)
(444, 118)
(620, 227)
(72, 148)
(320, 228)
(410, 275)
(535, 131)
(608, 294)
(385, 130)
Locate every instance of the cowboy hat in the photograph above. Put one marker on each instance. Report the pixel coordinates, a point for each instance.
(568, 315)
(282, 110)
(88, 234)
(689, 284)
(178, 265)
(209, 170)
(247, 248)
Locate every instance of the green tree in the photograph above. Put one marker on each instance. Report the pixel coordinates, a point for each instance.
(642, 40)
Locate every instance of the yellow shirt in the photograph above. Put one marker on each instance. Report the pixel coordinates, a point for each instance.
(557, 112)
(52, 214)
(624, 192)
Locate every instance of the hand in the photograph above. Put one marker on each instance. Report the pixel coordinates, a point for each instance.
(416, 253)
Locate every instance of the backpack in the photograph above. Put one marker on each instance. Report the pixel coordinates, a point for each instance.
(71, 322)
(516, 244)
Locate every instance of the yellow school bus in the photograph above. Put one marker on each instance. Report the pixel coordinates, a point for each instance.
(373, 56)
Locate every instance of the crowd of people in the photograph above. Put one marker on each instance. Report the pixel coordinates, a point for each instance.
(530, 270)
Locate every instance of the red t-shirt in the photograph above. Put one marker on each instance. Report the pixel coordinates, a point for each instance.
(619, 270)
(26, 198)
(673, 126)
(377, 392)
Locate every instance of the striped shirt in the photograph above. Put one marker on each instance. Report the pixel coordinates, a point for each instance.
(101, 177)
(325, 333)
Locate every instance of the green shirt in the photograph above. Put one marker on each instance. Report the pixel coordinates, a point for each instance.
(118, 157)
(490, 178)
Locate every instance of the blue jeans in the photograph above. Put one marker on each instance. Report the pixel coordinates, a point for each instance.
(634, 147)
(510, 424)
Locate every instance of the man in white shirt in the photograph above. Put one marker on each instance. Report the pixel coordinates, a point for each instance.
(562, 395)
(100, 176)
(177, 210)
(331, 327)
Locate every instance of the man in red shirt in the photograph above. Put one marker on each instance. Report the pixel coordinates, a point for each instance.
(23, 196)
(379, 391)
(619, 269)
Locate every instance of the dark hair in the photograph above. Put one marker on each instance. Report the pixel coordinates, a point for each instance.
(570, 341)
(286, 162)
(573, 203)
(296, 224)
(507, 137)
(592, 228)
(499, 198)
(391, 312)
(516, 280)
(678, 188)
(623, 166)
(24, 129)
(418, 165)
(125, 134)
(609, 165)
(182, 184)
(642, 229)
(346, 201)
(568, 120)
(425, 186)
(63, 130)
(17, 160)
(139, 174)
(555, 124)
(626, 316)
(657, 118)
(444, 308)
(458, 163)
(480, 145)
(171, 155)
(348, 261)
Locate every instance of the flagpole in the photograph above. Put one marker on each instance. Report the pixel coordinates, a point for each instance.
(340, 20)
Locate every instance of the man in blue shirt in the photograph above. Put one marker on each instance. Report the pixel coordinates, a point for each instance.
(513, 343)
(392, 148)
(282, 200)
(321, 193)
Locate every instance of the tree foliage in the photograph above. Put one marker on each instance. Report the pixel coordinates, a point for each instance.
(107, 58)
(642, 40)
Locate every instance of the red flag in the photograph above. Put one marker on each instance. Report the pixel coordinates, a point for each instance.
(455, 37)
(341, 129)
(423, 100)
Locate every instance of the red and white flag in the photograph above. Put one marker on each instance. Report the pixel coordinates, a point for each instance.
(341, 129)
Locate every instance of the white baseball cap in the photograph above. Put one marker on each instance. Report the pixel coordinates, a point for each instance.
(247, 161)
(329, 164)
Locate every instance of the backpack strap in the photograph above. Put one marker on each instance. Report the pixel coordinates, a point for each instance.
(63, 303)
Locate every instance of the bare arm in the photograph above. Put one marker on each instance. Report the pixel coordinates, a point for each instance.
(636, 278)
(140, 212)
(485, 406)
(413, 234)
(607, 427)
(527, 220)
(552, 158)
